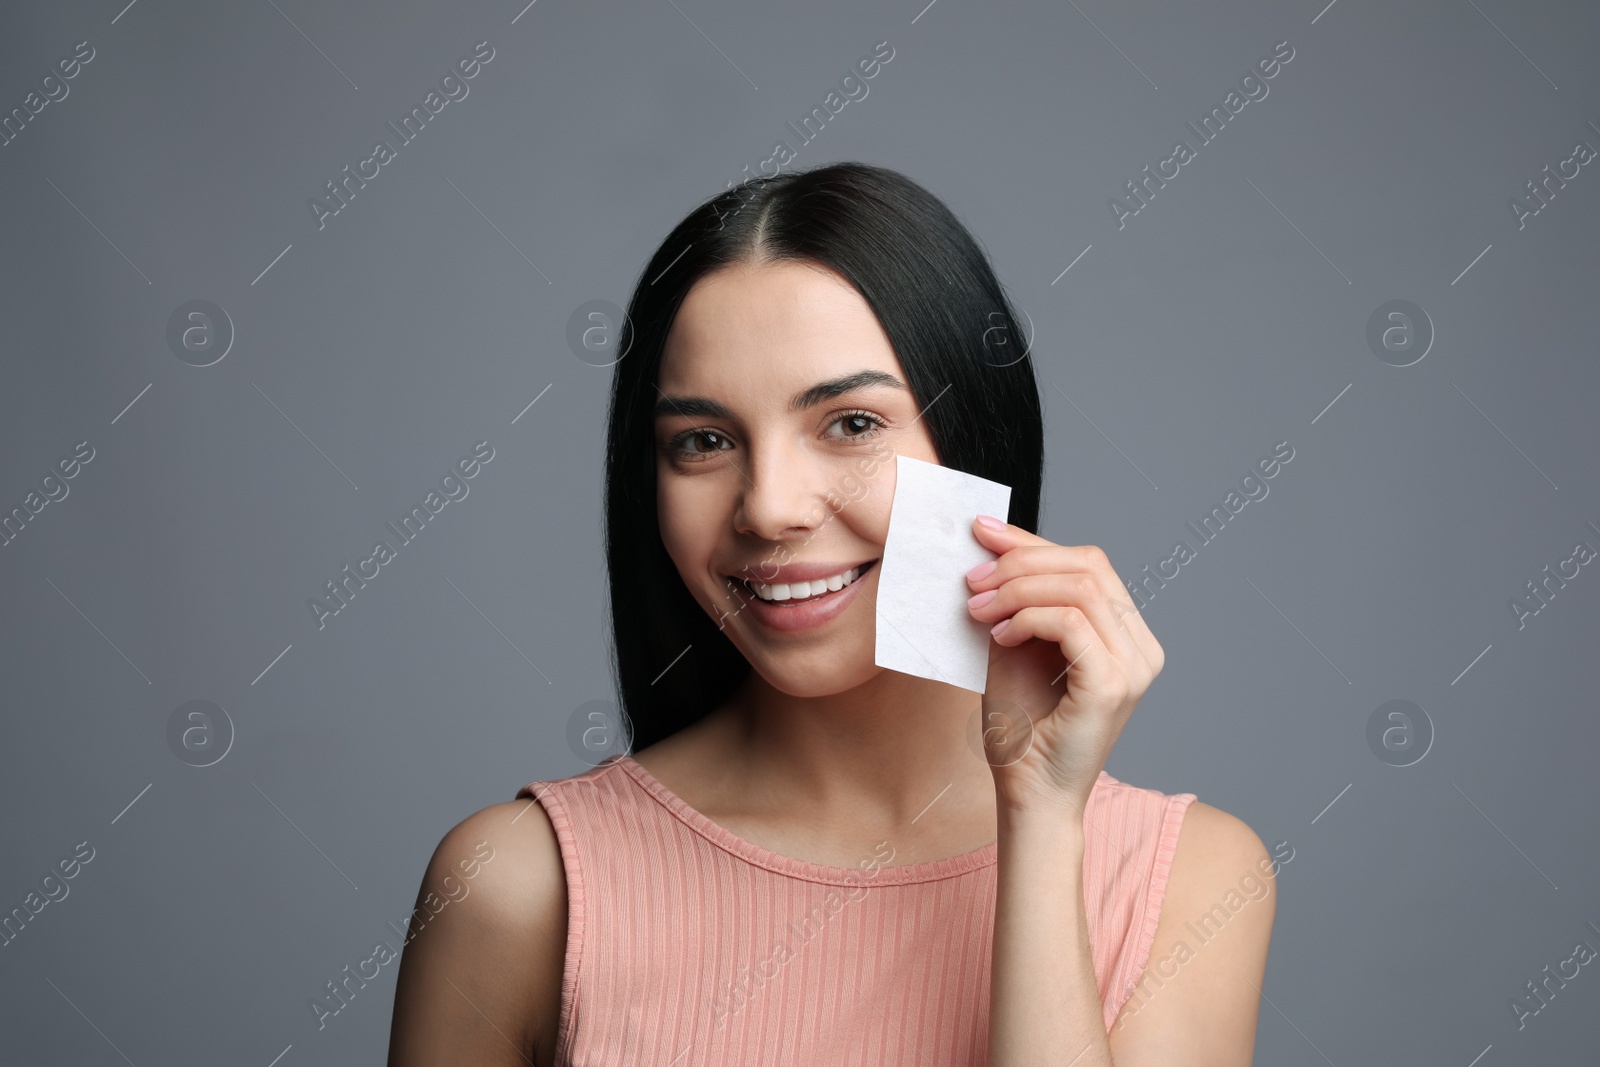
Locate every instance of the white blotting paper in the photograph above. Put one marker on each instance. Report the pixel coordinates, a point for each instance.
(923, 626)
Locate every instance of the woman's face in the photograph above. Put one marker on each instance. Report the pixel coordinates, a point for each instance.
(781, 407)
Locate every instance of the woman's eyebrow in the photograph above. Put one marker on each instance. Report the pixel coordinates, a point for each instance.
(823, 391)
(705, 407)
(692, 407)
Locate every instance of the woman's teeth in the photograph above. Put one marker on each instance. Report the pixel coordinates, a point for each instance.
(805, 590)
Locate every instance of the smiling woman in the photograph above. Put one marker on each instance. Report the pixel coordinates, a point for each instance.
(812, 312)
(776, 354)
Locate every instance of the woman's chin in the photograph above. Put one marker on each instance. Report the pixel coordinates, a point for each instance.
(816, 673)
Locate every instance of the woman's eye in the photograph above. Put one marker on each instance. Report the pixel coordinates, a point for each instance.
(696, 445)
(859, 424)
(680, 445)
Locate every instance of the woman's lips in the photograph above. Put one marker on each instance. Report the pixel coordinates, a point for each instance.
(790, 616)
(809, 574)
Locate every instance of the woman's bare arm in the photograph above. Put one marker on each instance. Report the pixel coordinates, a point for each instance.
(480, 981)
(1196, 1005)
(1044, 1007)
(1053, 605)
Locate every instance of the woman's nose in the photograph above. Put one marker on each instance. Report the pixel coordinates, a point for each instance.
(782, 493)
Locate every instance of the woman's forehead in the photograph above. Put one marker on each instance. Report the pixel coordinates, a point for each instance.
(780, 324)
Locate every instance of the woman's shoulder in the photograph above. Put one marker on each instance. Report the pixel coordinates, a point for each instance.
(1202, 843)
(490, 918)
(1215, 916)
(1215, 850)
(520, 858)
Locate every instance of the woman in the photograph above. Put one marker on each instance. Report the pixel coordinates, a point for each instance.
(808, 858)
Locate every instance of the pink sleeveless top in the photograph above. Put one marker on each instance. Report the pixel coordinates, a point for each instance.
(687, 945)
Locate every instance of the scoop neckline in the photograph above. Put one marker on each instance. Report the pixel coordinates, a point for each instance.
(750, 852)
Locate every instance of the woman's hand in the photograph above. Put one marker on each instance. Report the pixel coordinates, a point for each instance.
(1058, 610)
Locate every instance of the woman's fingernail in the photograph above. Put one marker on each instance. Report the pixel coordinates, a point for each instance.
(991, 522)
(982, 571)
(982, 598)
(998, 627)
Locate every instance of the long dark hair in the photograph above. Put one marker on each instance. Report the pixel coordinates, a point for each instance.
(952, 327)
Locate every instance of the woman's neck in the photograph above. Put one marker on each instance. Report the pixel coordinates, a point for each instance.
(897, 758)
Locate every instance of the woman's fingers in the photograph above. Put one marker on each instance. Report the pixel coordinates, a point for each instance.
(1107, 602)
(1094, 669)
(1074, 589)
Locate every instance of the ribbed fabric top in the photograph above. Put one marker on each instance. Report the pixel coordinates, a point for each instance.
(688, 945)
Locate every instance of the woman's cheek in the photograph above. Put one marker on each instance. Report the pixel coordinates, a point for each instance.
(870, 515)
(681, 551)
(672, 516)
(689, 532)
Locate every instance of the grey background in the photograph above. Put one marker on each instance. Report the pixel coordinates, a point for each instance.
(1227, 316)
